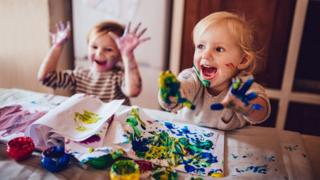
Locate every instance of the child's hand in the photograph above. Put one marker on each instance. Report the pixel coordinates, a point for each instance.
(130, 39)
(62, 35)
(170, 90)
(237, 99)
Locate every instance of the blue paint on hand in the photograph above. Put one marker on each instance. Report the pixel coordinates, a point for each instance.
(240, 92)
(217, 106)
(256, 107)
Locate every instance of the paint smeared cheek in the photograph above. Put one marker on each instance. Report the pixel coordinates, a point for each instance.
(230, 65)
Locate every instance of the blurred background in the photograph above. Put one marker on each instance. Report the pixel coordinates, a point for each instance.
(287, 32)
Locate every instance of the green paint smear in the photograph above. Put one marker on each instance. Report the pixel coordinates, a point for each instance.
(124, 167)
(164, 174)
(204, 82)
(105, 161)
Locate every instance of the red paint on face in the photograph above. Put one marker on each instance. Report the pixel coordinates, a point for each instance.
(230, 65)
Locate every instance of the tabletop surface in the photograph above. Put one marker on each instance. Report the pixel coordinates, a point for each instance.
(283, 154)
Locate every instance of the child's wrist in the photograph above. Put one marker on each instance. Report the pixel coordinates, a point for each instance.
(58, 45)
(131, 65)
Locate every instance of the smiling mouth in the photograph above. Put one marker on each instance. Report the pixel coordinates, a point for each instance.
(208, 72)
(100, 62)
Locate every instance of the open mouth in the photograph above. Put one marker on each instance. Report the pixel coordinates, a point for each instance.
(208, 72)
(101, 63)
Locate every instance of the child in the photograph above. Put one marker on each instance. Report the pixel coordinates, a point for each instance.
(108, 45)
(223, 53)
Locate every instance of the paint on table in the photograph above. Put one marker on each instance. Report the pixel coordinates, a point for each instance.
(183, 147)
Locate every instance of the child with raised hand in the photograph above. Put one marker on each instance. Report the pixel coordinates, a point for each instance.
(219, 89)
(109, 45)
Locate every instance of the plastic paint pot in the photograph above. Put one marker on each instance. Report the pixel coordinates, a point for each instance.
(20, 148)
(54, 159)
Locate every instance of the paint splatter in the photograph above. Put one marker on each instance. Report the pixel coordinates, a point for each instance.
(291, 147)
(92, 139)
(175, 145)
(86, 118)
(254, 169)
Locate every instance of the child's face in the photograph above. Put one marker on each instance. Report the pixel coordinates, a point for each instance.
(217, 56)
(103, 52)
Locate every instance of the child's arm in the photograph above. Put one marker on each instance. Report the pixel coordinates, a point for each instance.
(50, 62)
(255, 108)
(127, 44)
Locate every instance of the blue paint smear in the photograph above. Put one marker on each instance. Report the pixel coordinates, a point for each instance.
(140, 145)
(255, 169)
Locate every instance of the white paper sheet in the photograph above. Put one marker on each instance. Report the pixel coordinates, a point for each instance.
(63, 119)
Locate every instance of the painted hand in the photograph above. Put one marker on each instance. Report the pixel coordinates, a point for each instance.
(130, 39)
(62, 35)
(238, 99)
(170, 90)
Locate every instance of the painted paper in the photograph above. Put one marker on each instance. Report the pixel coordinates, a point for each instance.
(79, 117)
(184, 147)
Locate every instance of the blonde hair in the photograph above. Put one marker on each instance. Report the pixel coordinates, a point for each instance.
(238, 27)
(105, 27)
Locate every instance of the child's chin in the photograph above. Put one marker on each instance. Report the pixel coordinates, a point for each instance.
(103, 68)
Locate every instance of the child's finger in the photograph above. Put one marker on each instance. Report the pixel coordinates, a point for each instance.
(136, 28)
(251, 96)
(113, 36)
(144, 39)
(141, 32)
(235, 85)
(61, 25)
(57, 27)
(127, 29)
(246, 86)
(68, 26)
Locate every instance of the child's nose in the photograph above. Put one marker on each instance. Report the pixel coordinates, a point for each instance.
(98, 52)
(207, 55)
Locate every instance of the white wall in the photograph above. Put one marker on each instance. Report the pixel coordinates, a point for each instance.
(150, 55)
(25, 40)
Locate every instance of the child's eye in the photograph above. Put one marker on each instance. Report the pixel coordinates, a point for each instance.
(94, 47)
(200, 46)
(220, 49)
(108, 49)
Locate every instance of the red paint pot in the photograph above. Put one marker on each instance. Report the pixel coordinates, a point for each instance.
(20, 148)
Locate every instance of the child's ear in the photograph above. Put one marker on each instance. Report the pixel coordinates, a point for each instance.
(245, 62)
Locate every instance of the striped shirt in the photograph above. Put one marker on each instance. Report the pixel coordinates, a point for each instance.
(105, 85)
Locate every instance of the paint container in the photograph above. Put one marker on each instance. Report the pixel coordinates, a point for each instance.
(125, 170)
(20, 148)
